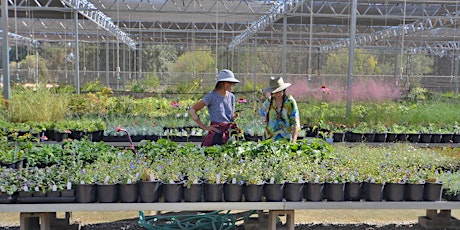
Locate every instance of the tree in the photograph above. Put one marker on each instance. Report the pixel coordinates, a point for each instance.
(195, 64)
(30, 62)
(364, 64)
(158, 58)
(198, 61)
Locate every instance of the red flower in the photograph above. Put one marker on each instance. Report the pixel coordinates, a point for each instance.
(175, 104)
(324, 89)
(118, 128)
(242, 100)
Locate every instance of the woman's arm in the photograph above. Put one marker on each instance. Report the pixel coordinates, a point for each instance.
(295, 134)
(294, 121)
(193, 114)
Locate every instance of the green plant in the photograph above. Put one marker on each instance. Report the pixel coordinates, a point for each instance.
(212, 170)
(39, 105)
(451, 182)
(9, 180)
(93, 86)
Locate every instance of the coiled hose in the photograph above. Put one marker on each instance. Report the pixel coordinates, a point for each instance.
(212, 220)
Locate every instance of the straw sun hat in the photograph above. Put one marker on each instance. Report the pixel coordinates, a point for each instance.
(277, 84)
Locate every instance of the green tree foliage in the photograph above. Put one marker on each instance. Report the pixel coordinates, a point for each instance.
(195, 64)
(367, 63)
(55, 56)
(199, 61)
(158, 58)
(30, 63)
(419, 64)
(269, 60)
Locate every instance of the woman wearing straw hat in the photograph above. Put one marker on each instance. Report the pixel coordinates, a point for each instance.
(221, 109)
(280, 112)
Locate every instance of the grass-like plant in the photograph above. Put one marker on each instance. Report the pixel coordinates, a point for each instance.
(37, 105)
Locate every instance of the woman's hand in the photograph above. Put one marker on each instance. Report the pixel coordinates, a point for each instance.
(211, 128)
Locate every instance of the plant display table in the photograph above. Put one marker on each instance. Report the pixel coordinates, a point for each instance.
(47, 212)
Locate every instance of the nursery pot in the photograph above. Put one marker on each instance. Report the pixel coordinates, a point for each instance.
(193, 192)
(335, 191)
(86, 193)
(129, 193)
(447, 137)
(432, 191)
(233, 192)
(391, 137)
(107, 193)
(413, 192)
(313, 191)
(436, 138)
(213, 192)
(149, 191)
(368, 137)
(293, 191)
(172, 192)
(380, 137)
(394, 191)
(373, 191)
(413, 137)
(253, 192)
(353, 191)
(274, 192)
(425, 138)
(338, 137)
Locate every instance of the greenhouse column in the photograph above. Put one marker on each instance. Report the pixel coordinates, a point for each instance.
(5, 53)
(456, 63)
(77, 55)
(351, 56)
(284, 42)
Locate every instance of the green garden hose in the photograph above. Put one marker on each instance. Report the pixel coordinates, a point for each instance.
(213, 220)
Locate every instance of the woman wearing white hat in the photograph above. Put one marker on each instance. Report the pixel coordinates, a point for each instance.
(280, 112)
(221, 109)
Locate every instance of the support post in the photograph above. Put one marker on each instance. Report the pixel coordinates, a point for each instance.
(46, 221)
(273, 214)
(438, 220)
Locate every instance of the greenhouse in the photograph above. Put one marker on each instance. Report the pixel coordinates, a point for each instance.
(109, 92)
(121, 43)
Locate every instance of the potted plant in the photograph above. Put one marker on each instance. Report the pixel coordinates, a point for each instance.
(232, 176)
(86, 188)
(451, 185)
(130, 169)
(213, 183)
(149, 184)
(414, 188)
(253, 177)
(9, 184)
(314, 177)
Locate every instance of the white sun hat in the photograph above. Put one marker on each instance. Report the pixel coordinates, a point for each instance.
(277, 84)
(226, 75)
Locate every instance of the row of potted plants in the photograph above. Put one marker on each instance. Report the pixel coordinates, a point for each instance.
(158, 191)
(50, 167)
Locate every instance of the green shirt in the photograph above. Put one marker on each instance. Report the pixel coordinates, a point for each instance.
(281, 128)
